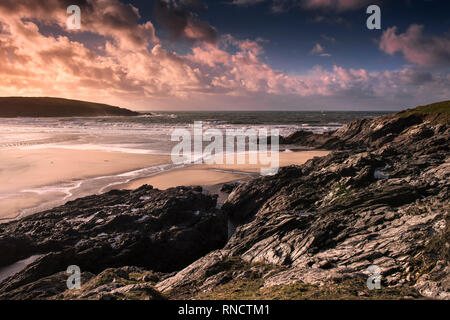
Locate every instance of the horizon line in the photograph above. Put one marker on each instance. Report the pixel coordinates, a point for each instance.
(221, 109)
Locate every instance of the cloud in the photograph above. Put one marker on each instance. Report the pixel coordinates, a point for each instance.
(318, 50)
(139, 72)
(337, 5)
(247, 2)
(179, 17)
(417, 47)
(326, 5)
(109, 18)
(328, 38)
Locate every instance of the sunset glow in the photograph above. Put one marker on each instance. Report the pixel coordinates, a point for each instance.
(130, 54)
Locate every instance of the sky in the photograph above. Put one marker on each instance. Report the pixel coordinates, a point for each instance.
(228, 54)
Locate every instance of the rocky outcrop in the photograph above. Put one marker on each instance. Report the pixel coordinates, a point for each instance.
(327, 221)
(359, 134)
(42, 288)
(125, 283)
(158, 230)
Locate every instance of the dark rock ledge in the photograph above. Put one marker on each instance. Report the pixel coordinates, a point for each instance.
(162, 231)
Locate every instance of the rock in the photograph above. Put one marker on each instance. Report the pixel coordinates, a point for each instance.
(42, 288)
(436, 284)
(116, 284)
(229, 187)
(331, 218)
(380, 199)
(192, 274)
(158, 230)
(358, 134)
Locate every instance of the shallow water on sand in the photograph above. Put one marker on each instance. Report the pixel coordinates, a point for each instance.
(16, 267)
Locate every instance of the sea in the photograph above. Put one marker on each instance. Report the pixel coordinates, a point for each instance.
(148, 133)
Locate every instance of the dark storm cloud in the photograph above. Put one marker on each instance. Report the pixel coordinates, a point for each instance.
(180, 18)
(325, 5)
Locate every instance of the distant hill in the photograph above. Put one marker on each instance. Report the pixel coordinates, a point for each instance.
(439, 111)
(11, 107)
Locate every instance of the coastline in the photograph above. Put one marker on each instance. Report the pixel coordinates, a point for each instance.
(37, 176)
(309, 232)
(40, 179)
(212, 174)
(190, 176)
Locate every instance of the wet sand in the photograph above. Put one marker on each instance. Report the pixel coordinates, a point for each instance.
(285, 159)
(21, 170)
(186, 177)
(11, 206)
(212, 174)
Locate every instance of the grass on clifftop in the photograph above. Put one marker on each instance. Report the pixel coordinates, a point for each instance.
(350, 289)
(240, 280)
(439, 111)
(102, 286)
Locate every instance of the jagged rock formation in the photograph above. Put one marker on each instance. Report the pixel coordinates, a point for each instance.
(130, 283)
(159, 230)
(327, 221)
(310, 231)
(371, 133)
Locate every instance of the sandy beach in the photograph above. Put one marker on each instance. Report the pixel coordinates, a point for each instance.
(31, 176)
(186, 177)
(212, 174)
(21, 170)
(285, 159)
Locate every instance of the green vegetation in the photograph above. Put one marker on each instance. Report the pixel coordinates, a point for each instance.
(102, 285)
(111, 275)
(342, 191)
(439, 112)
(348, 289)
(437, 249)
(232, 279)
(342, 195)
(439, 244)
(236, 264)
(236, 279)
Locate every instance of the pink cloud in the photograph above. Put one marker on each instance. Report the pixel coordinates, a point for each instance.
(209, 55)
(319, 50)
(416, 47)
(110, 18)
(137, 71)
